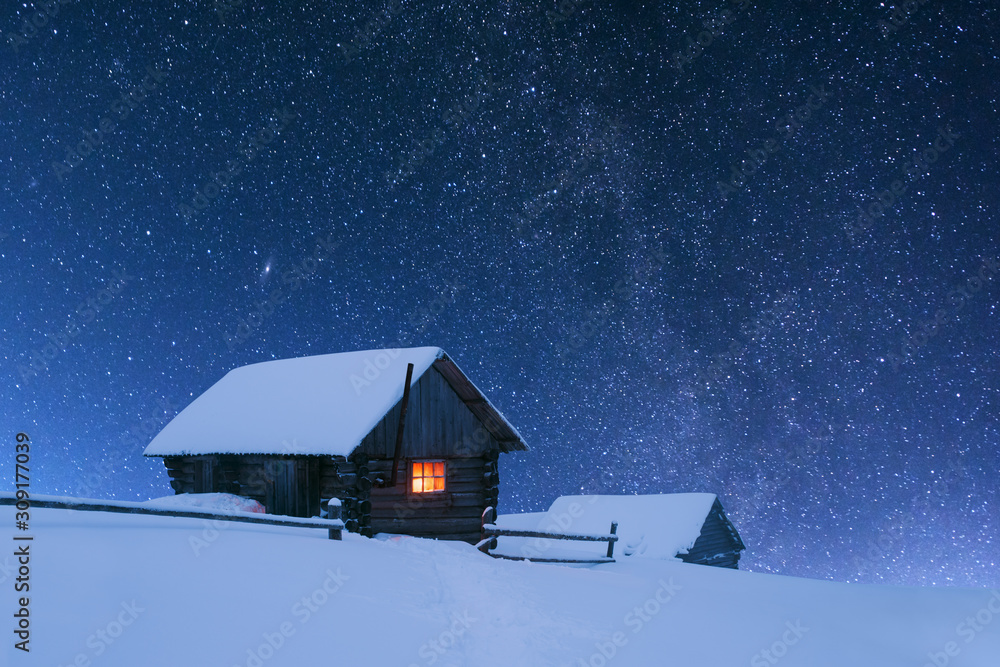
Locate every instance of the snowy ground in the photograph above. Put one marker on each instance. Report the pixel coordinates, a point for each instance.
(113, 589)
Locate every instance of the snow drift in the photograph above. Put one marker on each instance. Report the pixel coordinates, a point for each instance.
(117, 589)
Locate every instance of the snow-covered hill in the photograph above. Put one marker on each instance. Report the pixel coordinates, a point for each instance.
(112, 589)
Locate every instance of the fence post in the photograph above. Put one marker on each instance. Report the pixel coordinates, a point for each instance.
(324, 513)
(611, 543)
(489, 517)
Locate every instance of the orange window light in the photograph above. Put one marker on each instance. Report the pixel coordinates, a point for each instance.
(428, 476)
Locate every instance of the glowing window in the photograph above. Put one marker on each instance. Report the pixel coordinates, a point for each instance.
(427, 477)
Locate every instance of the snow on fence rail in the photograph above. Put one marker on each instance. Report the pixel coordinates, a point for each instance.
(334, 526)
(491, 532)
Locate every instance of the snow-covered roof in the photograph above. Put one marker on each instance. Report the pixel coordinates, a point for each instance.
(655, 526)
(321, 405)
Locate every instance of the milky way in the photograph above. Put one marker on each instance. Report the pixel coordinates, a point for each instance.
(749, 250)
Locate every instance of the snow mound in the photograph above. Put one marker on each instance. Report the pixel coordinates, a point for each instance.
(215, 502)
(117, 590)
(654, 526)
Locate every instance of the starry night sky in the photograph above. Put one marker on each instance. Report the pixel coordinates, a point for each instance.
(635, 226)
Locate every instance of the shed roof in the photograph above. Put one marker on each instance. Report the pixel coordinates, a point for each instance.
(654, 526)
(322, 405)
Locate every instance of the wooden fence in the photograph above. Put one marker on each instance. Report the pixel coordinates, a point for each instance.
(334, 525)
(491, 532)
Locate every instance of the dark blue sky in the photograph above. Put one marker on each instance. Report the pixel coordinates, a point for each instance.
(711, 247)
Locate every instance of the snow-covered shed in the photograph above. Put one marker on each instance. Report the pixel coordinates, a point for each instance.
(293, 432)
(691, 527)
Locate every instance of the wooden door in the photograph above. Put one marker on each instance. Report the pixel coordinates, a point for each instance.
(292, 487)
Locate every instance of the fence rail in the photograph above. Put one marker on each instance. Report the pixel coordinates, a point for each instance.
(334, 526)
(490, 533)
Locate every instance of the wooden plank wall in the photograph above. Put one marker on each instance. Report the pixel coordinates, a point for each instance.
(719, 544)
(253, 476)
(438, 425)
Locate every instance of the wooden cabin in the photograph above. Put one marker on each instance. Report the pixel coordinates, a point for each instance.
(418, 458)
(692, 527)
